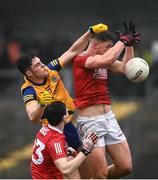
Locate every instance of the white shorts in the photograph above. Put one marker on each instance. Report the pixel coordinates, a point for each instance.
(106, 126)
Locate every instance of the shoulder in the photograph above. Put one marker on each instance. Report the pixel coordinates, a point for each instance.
(82, 55)
(55, 65)
(28, 90)
(56, 140)
(28, 94)
(80, 59)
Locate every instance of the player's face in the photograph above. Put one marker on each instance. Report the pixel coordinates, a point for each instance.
(104, 46)
(38, 69)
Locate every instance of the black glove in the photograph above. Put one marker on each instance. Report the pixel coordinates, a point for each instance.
(132, 30)
(89, 142)
(129, 37)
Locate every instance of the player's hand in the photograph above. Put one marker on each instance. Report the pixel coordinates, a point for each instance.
(129, 36)
(46, 98)
(89, 142)
(98, 28)
(137, 35)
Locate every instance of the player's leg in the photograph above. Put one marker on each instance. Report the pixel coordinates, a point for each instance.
(117, 147)
(84, 170)
(75, 174)
(121, 156)
(97, 163)
(96, 160)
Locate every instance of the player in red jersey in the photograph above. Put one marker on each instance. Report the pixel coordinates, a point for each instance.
(49, 159)
(93, 102)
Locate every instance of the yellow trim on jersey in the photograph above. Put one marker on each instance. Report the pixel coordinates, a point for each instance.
(61, 64)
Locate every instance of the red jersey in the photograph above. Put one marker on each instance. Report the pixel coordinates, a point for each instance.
(91, 85)
(49, 146)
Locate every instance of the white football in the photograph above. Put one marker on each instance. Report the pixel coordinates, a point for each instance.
(137, 69)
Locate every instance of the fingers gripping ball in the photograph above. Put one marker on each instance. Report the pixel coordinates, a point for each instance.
(89, 142)
(98, 28)
(46, 98)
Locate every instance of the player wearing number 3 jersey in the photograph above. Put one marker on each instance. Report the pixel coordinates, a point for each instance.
(49, 158)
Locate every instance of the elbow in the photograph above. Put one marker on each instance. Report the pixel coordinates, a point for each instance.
(33, 120)
(66, 172)
(111, 59)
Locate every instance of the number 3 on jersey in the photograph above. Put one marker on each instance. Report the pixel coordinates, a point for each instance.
(37, 158)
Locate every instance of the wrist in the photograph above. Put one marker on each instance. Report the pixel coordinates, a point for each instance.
(85, 152)
(41, 105)
(91, 29)
(124, 42)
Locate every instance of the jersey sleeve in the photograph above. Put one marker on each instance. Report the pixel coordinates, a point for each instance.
(29, 94)
(57, 149)
(55, 65)
(80, 60)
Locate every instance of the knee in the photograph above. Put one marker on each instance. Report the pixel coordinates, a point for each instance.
(126, 169)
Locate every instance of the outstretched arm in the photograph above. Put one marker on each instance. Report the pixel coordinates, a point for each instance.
(75, 49)
(107, 59)
(79, 45)
(134, 37)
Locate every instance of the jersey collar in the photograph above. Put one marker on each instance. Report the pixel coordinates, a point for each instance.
(37, 84)
(54, 128)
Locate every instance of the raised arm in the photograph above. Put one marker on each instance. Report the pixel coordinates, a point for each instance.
(79, 45)
(107, 59)
(119, 66)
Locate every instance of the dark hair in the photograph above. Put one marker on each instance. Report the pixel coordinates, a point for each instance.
(104, 36)
(24, 63)
(54, 112)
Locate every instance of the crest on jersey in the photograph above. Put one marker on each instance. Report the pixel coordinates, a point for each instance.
(100, 73)
(54, 78)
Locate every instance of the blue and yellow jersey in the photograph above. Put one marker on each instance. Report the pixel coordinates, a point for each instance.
(53, 84)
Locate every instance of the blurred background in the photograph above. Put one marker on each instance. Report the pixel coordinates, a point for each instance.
(48, 28)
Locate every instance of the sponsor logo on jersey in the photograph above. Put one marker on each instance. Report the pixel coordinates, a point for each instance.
(100, 73)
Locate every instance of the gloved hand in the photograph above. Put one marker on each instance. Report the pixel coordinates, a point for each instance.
(89, 142)
(98, 28)
(46, 98)
(129, 37)
(137, 35)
